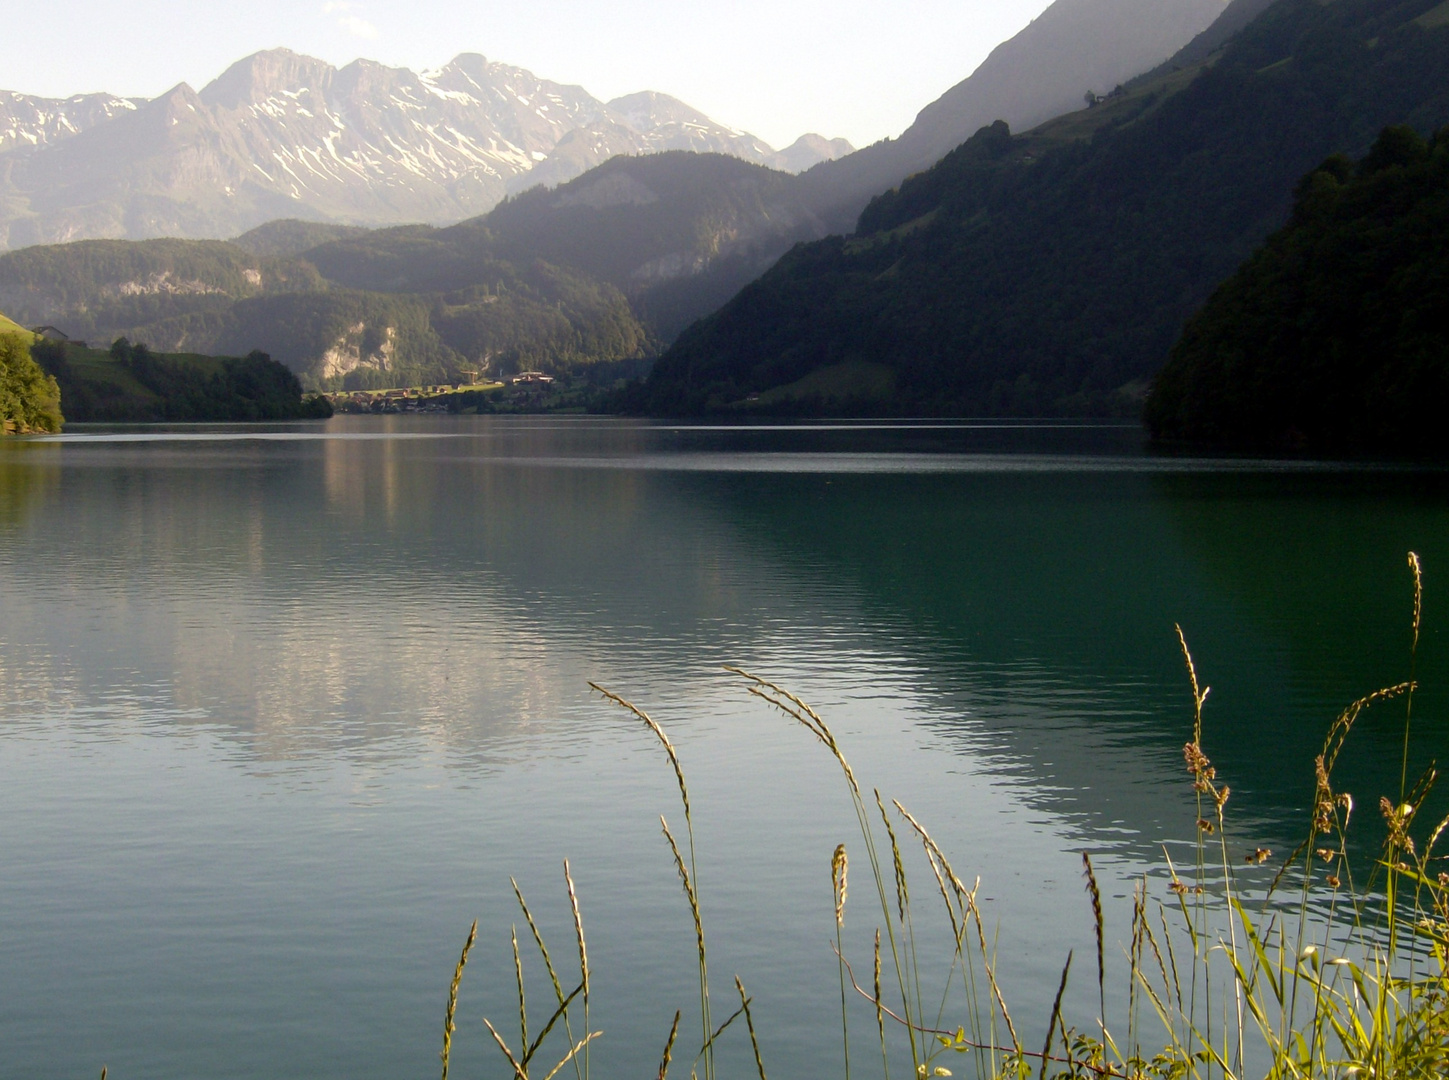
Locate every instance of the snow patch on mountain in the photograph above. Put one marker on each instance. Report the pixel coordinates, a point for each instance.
(27, 122)
(281, 134)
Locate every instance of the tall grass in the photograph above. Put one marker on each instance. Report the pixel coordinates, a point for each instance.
(1315, 976)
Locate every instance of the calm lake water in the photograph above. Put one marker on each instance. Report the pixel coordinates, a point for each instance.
(282, 709)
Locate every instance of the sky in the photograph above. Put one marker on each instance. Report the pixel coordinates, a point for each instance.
(776, 68)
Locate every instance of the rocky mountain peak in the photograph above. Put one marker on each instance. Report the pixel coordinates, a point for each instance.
(179, 104)
(466, 72)
(367, 79)
(28, 122)
(283, 135)
(266, 74)
(810, 150)
(649, 110)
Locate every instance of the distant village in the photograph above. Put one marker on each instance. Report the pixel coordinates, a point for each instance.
(433, 399)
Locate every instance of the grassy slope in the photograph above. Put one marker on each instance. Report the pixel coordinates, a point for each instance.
(854, 384)
(179, 386)
(109, 380)
(9, 326)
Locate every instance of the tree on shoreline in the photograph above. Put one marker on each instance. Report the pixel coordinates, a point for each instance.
(1332, 337)
(29, 398)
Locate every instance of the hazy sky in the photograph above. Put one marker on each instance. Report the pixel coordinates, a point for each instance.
(774, 67)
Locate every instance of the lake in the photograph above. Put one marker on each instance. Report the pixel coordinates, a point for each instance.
(282, 709)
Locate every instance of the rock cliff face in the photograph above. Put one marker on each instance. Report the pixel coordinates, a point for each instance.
(283, 135)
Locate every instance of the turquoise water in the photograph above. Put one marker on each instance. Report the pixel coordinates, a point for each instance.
(282, 710)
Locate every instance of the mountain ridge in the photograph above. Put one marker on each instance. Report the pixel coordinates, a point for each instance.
(283, 135)
(1050, 273)
(28, 120)
(1039, 73)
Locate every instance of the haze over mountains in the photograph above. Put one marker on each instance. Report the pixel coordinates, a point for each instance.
(27, 121)
(601, 270)
(1073, 47)
(279, 135)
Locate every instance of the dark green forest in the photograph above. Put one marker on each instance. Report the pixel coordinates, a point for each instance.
(1334, 337)
(1050, 274)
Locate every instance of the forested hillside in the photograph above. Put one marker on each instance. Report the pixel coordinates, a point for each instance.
(1334, 338)
(597, 272)
(1051, 273)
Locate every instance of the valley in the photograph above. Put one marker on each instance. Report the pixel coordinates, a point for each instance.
(1039, 263)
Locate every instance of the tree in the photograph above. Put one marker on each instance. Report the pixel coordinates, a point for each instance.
(29, 398)
(1332, 338)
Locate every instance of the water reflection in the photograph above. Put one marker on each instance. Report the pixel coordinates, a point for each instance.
(384, 629)
(349, 594)
(28, 474)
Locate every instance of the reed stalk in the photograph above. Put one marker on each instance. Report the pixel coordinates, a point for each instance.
(839, 869)
(669, 1047)
(750, 1024)
(691, 878)
(448, 1026)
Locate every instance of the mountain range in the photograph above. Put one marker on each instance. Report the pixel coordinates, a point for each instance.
(603, 269)
(279, 135)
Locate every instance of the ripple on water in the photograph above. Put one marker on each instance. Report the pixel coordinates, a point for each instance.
(281, 710)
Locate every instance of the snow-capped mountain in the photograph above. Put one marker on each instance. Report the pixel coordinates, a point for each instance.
(284, 135)
(27, 122)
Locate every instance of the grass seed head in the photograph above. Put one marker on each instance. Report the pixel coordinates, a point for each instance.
(839, 872)
(578, 929)
(1418, 570)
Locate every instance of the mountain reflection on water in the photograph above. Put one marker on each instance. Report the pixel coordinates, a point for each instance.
(292, 703)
